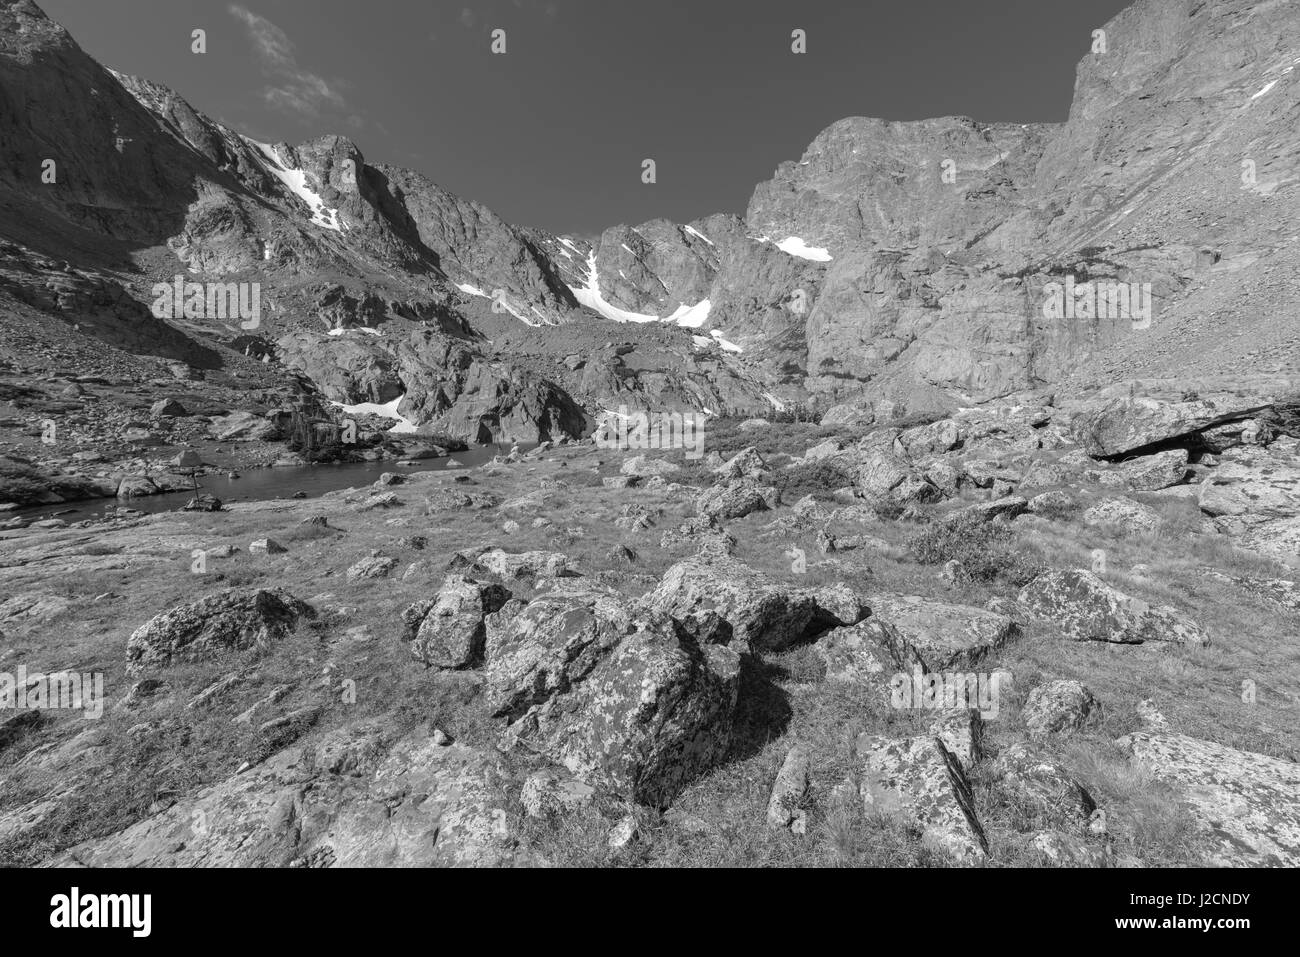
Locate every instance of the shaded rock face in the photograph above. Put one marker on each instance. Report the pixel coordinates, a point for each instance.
(229, 620)
(355, 798)
(1247, 805)
(1085, 608)
(632, 705)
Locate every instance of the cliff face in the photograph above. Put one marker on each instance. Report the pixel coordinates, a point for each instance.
(902, 265)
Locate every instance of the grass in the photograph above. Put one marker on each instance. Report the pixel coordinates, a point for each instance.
(132, 762)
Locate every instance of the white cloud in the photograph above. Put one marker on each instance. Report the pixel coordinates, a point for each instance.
(291, 88)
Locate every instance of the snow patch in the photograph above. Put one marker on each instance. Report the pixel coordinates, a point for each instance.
(691, 317)
(347, 329)
(1265, 90)
(699, 235)
(795, 246)
(726, 346)
(589, 295)
(388, 410)
(296, 181)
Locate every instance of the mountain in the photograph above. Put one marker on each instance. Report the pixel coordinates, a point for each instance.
(896, 267)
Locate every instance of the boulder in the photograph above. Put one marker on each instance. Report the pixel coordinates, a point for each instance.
(631, 705)
(721, 599)
(946, 637)
(736, 499)
(1085, 608)
(1247, 805)
(517, 565)
(919, 782)
(1060, 706)
(231, 620)
(792, 782)
(371, 567)
(1125, 514)
(353, 798)
(1128, 424)
(450, 631)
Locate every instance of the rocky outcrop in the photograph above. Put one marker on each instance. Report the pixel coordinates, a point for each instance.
(357, 797)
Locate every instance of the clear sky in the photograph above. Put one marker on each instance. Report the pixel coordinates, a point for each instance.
(553, 132)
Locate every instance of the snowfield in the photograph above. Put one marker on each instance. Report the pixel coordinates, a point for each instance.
(296, 181)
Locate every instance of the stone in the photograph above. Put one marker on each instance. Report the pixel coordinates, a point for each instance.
(450, 631)
(947, 637)
(1084, 608)
(792, 782)
(1246, 805)
(1060, 706)
(1041, 792)
(266, 546)
(551, 792)
(235, 620)
(378, 566)
(919, 782)
(736, 499)
(1125, 514)
(631, 705)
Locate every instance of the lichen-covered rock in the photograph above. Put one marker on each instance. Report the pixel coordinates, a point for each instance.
(792, 781)
(947, 637)
(736, 499)
(748, 605)
(1085, 608)
(1041, 792)
(524, 564)
(355, 798)
(921, 783)
(642, 466)
(371, 567)
(450, 631)
(231, 620)
(1248, 805)
(745, 464)
(551, 792)
(1060, 706)
(1124, 513)
(631, 705)
(871, 650)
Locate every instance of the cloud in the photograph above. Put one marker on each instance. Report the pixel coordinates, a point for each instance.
(290, 88)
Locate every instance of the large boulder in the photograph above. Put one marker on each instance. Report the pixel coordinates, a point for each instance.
(1042, 792)
(946, 637)
(718, 598)
(449, 631)
(1125, 514)
(1085, 608)
(630, 704)
(736, 499)
(922, 783)
(235, 619)
(1247, 805)
(1129, 424)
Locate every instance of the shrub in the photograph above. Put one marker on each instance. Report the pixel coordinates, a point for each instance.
(985, 549)
(818, 479)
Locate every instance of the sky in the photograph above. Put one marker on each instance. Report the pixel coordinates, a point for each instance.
(554, 131)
